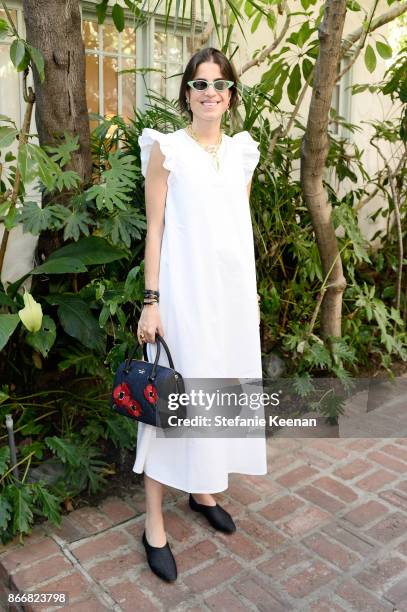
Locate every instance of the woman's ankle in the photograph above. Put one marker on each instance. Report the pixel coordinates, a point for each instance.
(155, 530)
(204, 498)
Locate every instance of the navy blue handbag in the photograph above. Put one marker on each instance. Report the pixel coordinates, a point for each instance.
(141, 389)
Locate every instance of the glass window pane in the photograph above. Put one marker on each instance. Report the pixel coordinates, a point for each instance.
(129, 41)
(173, 83)
(157, 78)
(174, 48)
(160, 46)
(110, 85)
(128, 90)
(90, 34)
(92, 86)
(110, 38)
(92, 83)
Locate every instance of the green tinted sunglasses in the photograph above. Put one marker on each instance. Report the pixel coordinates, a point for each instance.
(203, 84)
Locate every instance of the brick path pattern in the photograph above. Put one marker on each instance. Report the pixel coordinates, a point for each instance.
(325, 530)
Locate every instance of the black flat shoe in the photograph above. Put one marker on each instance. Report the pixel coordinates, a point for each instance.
(216, 515)
(161, 560)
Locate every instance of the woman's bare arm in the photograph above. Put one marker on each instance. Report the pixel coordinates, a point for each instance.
(155, 198)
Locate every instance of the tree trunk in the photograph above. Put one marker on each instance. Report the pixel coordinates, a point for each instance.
(314, 152)
(55, 29)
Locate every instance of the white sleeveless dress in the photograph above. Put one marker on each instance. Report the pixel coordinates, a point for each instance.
(208, 301)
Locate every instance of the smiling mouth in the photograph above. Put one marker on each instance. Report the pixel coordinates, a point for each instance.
(209, 103)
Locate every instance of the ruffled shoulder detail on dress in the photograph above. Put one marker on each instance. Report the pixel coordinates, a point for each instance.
(146, 140)
(250, 153)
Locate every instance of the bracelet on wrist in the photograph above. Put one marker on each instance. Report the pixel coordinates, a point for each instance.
(151, 292)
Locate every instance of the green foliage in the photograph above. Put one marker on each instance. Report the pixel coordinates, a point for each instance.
(118, 17)
(43, 340)
(77, 320)
(116, 183)
(8, 323)
(21, 499)
(90, 251)
(48, 503)
(7, 136)
(80, 360)
(370, 58)
(75, 437)
(22, 53)
(4, 31)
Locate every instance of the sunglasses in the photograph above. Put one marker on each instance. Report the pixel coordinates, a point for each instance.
(203, 84)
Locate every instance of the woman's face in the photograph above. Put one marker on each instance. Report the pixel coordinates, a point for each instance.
(219, 100)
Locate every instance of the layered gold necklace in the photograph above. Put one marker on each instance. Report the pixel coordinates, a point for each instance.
(212, 149)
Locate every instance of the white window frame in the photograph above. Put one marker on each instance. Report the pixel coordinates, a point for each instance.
(158, 25)
(88, 15)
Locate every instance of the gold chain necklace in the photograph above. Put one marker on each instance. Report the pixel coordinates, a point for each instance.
(212, 149)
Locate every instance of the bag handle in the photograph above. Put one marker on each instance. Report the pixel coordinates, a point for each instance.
(159, 340)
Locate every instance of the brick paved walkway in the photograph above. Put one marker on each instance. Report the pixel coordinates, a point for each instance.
(325, 530)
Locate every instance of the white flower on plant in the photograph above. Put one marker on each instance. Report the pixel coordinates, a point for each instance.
(31, 314)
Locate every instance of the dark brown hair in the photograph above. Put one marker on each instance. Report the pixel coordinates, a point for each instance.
(208, 54)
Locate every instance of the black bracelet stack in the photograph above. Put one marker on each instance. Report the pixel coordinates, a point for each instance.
(152, 297)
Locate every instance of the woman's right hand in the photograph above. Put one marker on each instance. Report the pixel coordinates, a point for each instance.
(149, 323)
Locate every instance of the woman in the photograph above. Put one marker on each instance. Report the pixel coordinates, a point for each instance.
(200, 292)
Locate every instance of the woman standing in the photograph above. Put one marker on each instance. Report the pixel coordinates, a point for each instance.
(200, 290)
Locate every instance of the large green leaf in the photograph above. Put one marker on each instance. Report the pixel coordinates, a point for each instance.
(62, 153)
(8, 323)
(77, 320)
(48, 502)
(43, 340)
(385, 51)
(370, 58)
(21, 498)
(77, 222)
(101, 9)
(66, 450)
(38, 61)
(304, 33)
(294, 84)
(34, 218)
(19, 55)
(113, 190)
(7, 136)
(123, 226)
(307, 67)
(60, 265)
(90, 251)
(118, 17)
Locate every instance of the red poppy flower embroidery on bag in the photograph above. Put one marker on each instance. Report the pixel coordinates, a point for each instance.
(150, 393)
(122, 395)
(134, 409)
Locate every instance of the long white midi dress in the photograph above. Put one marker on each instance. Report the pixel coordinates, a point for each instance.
(208, 300)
